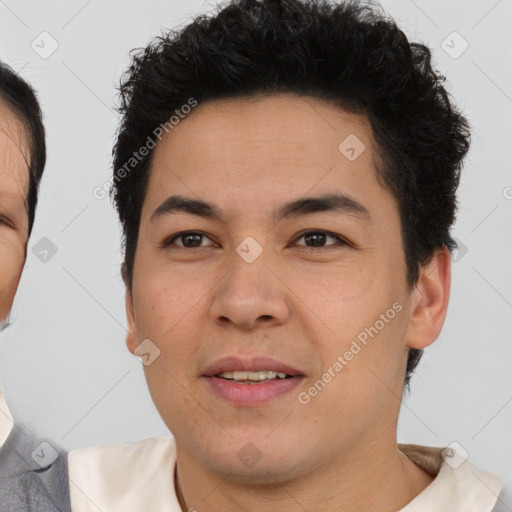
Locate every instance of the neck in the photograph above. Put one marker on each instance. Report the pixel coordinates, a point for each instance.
(373, 481)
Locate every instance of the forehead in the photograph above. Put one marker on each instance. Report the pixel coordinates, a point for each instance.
(259, 150)
(14, 154)
(278, 120)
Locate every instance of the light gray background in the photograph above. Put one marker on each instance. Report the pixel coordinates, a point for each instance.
(64, 365)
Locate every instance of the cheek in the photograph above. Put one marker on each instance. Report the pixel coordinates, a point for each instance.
(351, 276)
(11, 264)
(366, 311)
(345, 298)
(364, 365)
(169, 312)
(164, 301)
(361, 335)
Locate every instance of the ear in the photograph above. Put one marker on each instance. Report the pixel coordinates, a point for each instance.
(132, 338)
(430, 301)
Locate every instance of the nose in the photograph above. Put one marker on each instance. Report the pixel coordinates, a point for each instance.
(250, 295)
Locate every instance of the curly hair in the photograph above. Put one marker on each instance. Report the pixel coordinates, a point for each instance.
(21, 98)
(346, 53)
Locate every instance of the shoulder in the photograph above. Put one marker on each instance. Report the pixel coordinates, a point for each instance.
(504, 503)
(33, 475)
(149, 454)
(122, 477)
(458, 485)
(6, 421)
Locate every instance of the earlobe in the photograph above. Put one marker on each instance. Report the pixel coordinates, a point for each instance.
(430, 301)
(131, 335)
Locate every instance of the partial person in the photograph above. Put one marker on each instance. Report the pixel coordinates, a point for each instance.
(33, 472)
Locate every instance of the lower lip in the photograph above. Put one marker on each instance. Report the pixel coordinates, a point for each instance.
(252, 394)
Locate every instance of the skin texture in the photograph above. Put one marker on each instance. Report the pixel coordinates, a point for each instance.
(249, 156)
(14, 175)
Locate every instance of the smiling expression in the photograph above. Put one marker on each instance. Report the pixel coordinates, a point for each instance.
(259, 238)
(14, 156)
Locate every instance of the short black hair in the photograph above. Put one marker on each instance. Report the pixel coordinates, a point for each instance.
(347, 53)
(21, 98)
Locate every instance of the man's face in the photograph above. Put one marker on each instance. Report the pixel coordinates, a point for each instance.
(305, 301)
(13, 214)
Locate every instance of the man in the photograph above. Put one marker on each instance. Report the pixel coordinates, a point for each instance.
(285, 174)
(33, 477)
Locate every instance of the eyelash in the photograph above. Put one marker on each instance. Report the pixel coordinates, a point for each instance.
(170, 241)
(6, 221)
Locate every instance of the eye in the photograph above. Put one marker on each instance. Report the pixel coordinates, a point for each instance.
(194, 239)
(6, 221)
(318, 239)
(189, 239)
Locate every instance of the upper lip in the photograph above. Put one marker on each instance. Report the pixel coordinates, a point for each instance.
(253, 364)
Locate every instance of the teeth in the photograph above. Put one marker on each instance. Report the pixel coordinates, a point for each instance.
(255, 376)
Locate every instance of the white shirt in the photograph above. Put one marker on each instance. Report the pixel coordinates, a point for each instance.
(140, 477)
(6, 421)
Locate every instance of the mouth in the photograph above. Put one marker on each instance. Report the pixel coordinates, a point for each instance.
(257, 377)
(250, 382)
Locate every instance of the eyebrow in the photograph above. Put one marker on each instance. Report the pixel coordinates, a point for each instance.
(332, 202)
(16, 205)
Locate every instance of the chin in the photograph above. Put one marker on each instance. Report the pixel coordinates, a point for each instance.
(263, 469)
(255, 458)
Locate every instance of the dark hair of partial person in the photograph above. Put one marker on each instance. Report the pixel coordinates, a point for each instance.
(21, 98)
(348, 54)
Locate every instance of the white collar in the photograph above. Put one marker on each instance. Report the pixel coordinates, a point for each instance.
(124, 477)
(458, 485)
(140, 476)
(6, 420)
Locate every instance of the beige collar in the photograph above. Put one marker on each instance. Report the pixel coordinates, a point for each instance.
(6, 420)
(458, 486)
(140, 476)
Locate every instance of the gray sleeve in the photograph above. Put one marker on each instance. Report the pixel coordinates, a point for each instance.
(33, 475)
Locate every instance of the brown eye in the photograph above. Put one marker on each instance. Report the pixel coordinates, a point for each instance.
(317, 239)
(189, 240)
